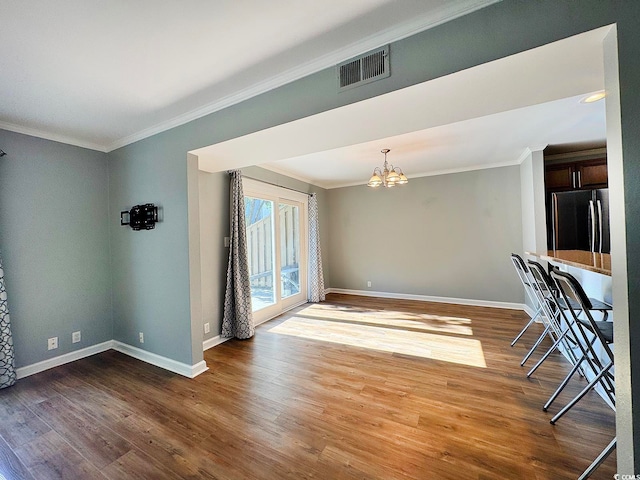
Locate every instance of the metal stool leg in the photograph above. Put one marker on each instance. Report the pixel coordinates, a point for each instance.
(578, 397)
(533, 349)
(599, 459)
(562, 385)
(533, 319)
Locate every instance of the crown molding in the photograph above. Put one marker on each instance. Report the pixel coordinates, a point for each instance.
(34, 132)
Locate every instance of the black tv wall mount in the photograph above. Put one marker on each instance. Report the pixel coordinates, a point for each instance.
(140, 217)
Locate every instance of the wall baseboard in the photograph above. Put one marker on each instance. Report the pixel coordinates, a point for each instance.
(214, 341)
(190, 371)
(184, 369)
(62, 359)
(427, 298)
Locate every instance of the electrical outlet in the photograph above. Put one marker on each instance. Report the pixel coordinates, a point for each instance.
(141, 337)
(76, 337)
(207, 328)
(52, 343)
(369, 283)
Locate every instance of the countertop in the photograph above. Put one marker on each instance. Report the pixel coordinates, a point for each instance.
(594, 262)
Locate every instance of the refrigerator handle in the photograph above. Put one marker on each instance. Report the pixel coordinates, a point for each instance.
(554, 223)
(592, 225)
(579, 180)
(599, 225)
(573, 179)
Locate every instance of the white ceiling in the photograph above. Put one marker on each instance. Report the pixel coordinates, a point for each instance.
(104, 74)
(482, 117)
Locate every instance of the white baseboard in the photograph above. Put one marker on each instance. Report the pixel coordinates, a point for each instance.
(62, 359)
(214, 341)
(428, 298)
(190, 371)
(184, 369)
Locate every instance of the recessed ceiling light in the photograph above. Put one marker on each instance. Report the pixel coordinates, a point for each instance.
(594, 97)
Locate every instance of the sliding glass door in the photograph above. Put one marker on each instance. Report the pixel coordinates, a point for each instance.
(259, 219)
(277, 245)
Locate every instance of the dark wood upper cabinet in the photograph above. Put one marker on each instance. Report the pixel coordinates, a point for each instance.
(593, 174)
(586, 174)
(559, 177)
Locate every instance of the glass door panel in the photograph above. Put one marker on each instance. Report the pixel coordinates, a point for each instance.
(289, 249)
(277, 230)
(259, 220)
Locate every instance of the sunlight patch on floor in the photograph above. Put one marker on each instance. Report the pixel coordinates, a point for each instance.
(391, 318)
(464, 351)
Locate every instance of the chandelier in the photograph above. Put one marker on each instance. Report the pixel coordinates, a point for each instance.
(388, 176)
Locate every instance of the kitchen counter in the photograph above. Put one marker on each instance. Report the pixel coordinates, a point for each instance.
(594, 262)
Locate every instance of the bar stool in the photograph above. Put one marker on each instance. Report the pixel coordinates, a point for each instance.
(542, 290)
(564, 331)
(575, 302)
(524, 275)
(564, 334)
(601, 331)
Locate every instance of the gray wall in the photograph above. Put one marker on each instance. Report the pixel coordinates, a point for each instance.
(150, 269)
(446, 235)
(55, 245)
(214, 226)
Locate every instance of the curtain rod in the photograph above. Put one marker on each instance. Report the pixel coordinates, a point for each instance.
(276, 185)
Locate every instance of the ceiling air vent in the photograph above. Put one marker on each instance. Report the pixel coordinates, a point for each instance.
(363, 69)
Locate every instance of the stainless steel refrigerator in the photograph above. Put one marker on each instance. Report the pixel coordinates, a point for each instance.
(579, 220)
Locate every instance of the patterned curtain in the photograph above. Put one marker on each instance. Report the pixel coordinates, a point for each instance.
(237, 320)
(7, 360)
(316, 277)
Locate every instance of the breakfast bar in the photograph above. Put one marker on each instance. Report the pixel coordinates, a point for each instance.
(590, 261)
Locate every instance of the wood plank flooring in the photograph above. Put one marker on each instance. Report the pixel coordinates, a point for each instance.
(313, 397)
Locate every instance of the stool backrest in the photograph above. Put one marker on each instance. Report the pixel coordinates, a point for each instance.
(569, 287)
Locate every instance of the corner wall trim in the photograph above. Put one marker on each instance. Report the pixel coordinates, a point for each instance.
(38, 367)
(213, 342)
(183, 369)
(427, 298)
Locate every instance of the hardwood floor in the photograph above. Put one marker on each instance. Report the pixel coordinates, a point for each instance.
(328, 391)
